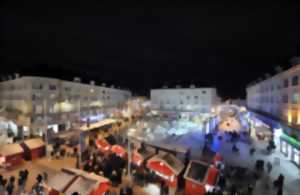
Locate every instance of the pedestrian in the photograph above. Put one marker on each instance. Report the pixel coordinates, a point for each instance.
(45, 176)
(269, 167)
(10, 186)
(21, 183)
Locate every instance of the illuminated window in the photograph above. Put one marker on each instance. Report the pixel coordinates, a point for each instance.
(295, 98)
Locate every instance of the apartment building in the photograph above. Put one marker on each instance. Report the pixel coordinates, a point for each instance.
(28, 99)
(185, 99)
(279, 96)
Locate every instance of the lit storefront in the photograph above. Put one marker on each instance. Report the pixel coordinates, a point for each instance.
(290, 147)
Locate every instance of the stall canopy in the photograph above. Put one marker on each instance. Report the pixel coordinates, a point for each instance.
(118, 150)
(10, 150)
(100, 124)
(166, 164)
(139, 156)
(11, 155)
(103, 145)
(200, 174)
(33, 148)
(60, 182)
(34, 143)
(86, 183)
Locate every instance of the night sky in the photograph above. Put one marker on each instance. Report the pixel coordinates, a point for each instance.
(146, 46)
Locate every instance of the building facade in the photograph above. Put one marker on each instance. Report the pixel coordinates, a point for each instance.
(28, 99)
(279, 96)
(185, 99)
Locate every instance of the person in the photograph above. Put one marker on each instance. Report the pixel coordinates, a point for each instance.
(129, 190)
(75, 193)
(10, 186)
(2, 184)
(162, 186)
(45, 176)
(269, 167)
(122, 191)
(21, 183)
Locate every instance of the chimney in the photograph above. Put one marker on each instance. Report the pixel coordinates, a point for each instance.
(77, 79)
(112, 86)
(165, 87)
(192, 86)
(9, 77)
(177, 86)
(92, 82)
(103, 85)
(267, 75)
(17, 75)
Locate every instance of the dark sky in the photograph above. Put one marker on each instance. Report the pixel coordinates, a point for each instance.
(146, 46)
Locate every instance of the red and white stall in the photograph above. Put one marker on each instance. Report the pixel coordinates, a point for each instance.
(118, 150)
(60, 182)
(87, 183)
(140, 156)
(167, 167)
(34, 148)
(200, 178)
(103, 145)
(11, 155)
(75, 180)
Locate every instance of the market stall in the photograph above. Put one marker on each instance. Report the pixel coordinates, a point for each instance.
(11, 155)
(141, 155)
(87, 184)
(103, 145)
(200, 178)
(60, 182)
(118, 150)
(167, 167)
(33, 148)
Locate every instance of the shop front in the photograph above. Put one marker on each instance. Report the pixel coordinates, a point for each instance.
(290, 147)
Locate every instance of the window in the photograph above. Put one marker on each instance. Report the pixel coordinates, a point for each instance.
(286, 83)
(272, 87)
(203, 92)
(52, 87)
(295, 80)
(196, 97)
(295, 98)
(188, 97)
(285, 98)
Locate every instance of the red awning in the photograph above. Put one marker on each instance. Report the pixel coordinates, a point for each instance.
(137, 158)
(118, 150)
(103, 145)
(212, 176)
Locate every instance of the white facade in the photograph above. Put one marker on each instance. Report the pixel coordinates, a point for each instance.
(278, 96)
(29, 96)
(185, 99)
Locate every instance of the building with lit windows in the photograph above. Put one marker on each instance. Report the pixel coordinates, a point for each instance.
(278, 97)
(185, 99)
(27, 100)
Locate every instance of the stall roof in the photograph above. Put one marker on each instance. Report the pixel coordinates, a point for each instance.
(197, 171)
(98, 124)
(60, 181)
(85, 183)
(82, 186)
(147, 153)
(34, 143)
(170, 160)
(201, 172)
(10, 149)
